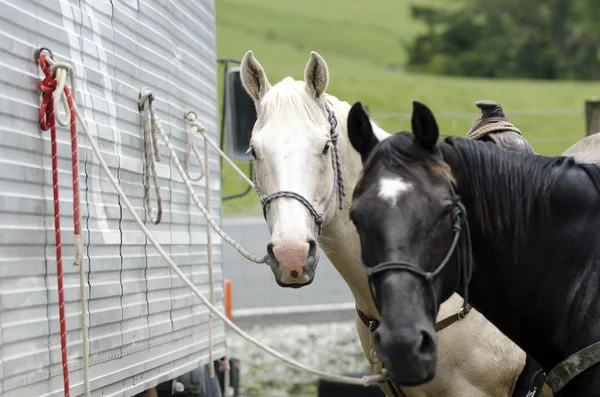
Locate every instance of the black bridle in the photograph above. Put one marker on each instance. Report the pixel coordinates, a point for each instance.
(461, 245)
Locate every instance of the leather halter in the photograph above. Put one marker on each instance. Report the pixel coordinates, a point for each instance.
(338, 181)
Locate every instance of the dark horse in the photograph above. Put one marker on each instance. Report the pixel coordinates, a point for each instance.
(532, 266)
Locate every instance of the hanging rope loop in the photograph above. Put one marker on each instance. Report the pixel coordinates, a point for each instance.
(191, 146)
(147, 109)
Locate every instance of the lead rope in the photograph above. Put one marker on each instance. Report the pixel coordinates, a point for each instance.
(211, 282)
(195, 127)
(146, 96)
(55, 83)
(149, 167)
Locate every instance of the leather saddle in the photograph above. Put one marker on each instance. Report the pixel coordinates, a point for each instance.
(494, 127)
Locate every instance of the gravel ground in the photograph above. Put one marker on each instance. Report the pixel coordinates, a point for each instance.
(332, 347)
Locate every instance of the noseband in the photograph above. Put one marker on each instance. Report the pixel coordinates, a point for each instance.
(461, 245)
(338, 181)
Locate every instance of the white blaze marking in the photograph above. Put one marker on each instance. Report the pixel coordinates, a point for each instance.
(391, 188)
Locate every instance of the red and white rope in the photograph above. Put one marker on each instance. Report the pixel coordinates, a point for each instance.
(54, 89)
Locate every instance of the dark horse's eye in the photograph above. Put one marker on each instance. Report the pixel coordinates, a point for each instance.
(446, 211)
(326, 148)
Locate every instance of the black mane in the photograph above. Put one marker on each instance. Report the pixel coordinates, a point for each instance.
(507, 204)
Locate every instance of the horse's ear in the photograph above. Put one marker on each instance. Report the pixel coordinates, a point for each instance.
(360, 131)
(424, 126)
(254, 78)
(316, 75)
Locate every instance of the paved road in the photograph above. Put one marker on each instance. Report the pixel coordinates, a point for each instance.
(258, 299)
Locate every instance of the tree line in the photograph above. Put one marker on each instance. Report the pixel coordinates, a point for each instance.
(538, 39)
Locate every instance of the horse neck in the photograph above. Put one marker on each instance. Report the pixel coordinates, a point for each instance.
(517, 288)
(339, 240)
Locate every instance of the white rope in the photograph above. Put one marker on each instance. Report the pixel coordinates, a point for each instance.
(60, 71)
(191, 117)
(192, 148)
(146, 97)
(211, 282)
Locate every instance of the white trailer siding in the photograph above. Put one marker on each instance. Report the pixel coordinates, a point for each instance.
(144, 325)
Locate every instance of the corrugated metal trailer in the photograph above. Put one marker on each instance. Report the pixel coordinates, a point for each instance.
(144, 325)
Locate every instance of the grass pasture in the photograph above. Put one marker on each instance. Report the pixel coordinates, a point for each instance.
(364, 49)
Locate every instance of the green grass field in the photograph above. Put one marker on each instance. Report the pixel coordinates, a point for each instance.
(364, 49)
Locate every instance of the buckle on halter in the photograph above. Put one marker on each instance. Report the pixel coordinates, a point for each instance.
(373, 324)
(373, 357)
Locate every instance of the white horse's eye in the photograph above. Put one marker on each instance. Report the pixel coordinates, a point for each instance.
(326, 148)
(252, 152)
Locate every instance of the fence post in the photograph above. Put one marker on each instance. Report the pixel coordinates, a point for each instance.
(592, 116)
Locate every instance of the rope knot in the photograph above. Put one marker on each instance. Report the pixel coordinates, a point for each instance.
(145, 95)
(47, 86)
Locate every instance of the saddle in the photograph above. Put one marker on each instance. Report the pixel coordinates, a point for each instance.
(494, 127)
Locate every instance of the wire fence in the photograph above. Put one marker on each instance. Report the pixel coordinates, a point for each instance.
(550, 132)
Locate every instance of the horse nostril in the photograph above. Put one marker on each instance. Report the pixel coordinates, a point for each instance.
(294, 273)
(270, 250)
(312, 247)
(427, 344)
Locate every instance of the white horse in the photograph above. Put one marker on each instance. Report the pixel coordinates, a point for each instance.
(296, 176)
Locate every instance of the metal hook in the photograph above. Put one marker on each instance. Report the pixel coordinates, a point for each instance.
(38, 53)
(190, 113)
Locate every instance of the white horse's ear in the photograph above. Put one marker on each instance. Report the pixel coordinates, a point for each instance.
(253, 76)
(316, 75)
